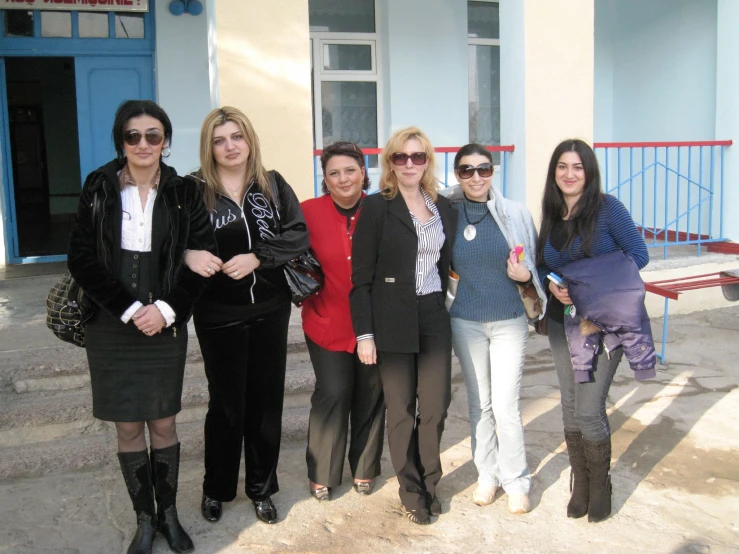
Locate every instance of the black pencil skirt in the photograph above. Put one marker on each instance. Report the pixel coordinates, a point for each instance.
(134, 377)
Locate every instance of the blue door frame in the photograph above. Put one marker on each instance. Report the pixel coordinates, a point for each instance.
(86, 51)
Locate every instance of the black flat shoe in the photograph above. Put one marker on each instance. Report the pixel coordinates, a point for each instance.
(435, 507)
(419, 517)
(265, 510)
(211, 508)
(324, 493)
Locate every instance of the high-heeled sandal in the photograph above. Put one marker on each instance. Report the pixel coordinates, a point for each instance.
(321, 494)
(419, 517)
(364, 487)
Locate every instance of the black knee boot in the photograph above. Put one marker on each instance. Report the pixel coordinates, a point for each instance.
(137, 474)
(598, 456)
(166, 466)
(579, 481)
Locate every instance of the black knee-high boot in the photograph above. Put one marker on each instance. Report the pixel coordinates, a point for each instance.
(166, 466)
(598, 455)
(137, 474)
(579, 479)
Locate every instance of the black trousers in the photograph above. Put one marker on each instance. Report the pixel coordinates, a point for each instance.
(245, 366)
(345, 388)
(417, 390)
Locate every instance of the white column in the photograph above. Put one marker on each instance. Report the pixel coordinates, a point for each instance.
(547, 80)
(727, 109)
(182, 79)
(263, 56)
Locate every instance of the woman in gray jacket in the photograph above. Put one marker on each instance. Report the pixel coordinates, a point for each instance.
(489, 325)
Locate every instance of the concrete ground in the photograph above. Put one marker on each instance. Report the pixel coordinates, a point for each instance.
(675, 472)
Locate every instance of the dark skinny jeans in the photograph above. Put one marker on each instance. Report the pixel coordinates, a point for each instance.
(583, 404)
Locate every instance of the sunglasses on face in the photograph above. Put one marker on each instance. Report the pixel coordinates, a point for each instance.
(467, 171)
(401, 158)
(154, 137)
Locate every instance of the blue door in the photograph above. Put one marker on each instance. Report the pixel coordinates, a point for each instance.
(102, 84)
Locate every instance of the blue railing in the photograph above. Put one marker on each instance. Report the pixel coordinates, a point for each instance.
(673, 190)
(445, 170)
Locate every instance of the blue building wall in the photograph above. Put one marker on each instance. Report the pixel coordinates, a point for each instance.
(655, 70)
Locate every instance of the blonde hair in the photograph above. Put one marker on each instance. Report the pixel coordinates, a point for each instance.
(388, 179)
(208, 167)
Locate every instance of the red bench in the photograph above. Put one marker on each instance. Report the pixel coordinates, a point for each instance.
(671, 288)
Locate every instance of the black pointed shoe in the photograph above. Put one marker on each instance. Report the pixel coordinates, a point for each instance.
(265, 510)
(211, 508)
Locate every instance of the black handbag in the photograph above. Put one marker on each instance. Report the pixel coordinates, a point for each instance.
(304, 276)
(67, 310)
(303, 273)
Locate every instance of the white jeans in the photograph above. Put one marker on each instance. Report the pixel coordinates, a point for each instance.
(491, 356)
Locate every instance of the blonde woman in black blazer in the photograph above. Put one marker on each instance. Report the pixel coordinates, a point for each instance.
(400, 268)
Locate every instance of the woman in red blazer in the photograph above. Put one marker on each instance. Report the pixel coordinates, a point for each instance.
(345, 387)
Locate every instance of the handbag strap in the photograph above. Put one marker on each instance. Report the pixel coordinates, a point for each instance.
(275, 199)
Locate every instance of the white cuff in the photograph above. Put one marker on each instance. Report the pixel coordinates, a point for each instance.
(166, 311)
(368, 336)
(132, 309)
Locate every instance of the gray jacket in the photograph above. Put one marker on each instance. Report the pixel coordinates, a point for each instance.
(517, 226)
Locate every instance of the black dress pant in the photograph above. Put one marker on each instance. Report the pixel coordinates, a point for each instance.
(245, 366)
(345, 387)
(417, 390)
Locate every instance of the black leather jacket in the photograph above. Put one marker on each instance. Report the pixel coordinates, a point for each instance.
(179, 222)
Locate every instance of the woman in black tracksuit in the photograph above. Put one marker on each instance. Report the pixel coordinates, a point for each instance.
(242, 318)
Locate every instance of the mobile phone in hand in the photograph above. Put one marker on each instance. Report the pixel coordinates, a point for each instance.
(557, 280)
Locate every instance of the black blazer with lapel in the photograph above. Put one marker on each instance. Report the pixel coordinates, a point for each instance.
(383, 296)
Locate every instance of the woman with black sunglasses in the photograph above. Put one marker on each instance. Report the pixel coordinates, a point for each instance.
(400, 271)
(494, 251)
(135, 220)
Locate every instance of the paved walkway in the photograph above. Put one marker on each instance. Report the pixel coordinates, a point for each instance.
(675, 472)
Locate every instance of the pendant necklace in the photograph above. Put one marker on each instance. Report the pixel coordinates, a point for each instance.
(470, 232)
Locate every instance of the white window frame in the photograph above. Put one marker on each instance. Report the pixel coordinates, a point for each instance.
(318, 39)
(345, 72)
(474, 41)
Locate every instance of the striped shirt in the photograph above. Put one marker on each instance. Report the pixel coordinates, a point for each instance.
(430, 240)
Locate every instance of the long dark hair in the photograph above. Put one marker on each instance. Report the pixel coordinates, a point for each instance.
(135, 108)
(343, 148)
(470, 150)
(584, 213)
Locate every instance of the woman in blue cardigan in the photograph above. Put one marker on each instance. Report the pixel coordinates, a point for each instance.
(579, 221)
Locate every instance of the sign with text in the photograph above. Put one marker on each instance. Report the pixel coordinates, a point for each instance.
(77, 5)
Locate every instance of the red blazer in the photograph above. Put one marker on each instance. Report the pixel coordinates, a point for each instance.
(327, 319)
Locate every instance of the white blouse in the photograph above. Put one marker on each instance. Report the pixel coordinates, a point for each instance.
(136, 236)
(136, 228)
